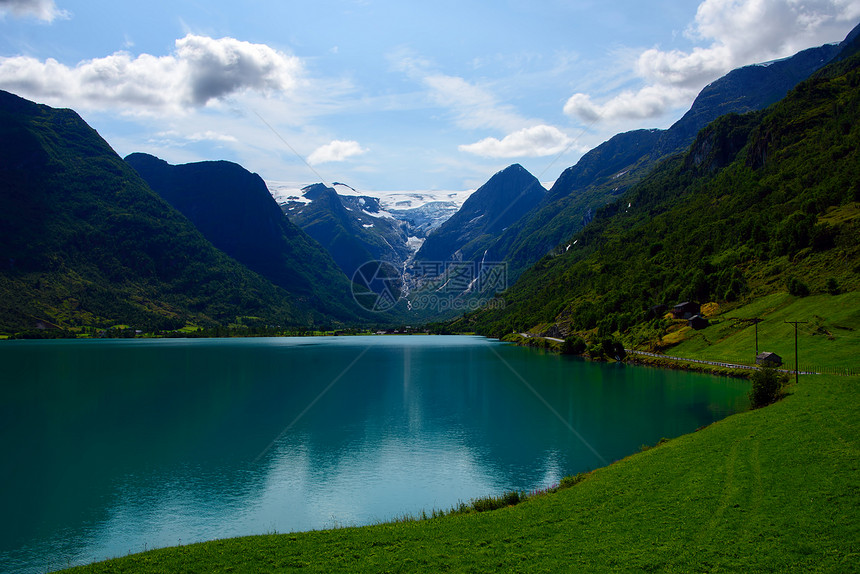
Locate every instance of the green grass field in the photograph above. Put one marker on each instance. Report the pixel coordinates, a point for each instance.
(829, 344)
(771, 490)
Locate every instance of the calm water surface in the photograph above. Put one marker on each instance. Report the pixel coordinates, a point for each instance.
(113, 447)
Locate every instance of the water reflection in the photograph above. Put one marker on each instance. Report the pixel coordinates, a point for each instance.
(117, 446)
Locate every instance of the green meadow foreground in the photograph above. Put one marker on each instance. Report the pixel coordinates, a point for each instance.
(775, 489)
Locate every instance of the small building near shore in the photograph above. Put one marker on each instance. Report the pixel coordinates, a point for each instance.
(686, 310)
(697, 322)
(768, 359)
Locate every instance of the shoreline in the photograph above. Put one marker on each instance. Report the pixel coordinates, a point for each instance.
(648, 509)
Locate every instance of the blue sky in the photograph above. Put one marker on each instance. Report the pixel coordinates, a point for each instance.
(390, 95)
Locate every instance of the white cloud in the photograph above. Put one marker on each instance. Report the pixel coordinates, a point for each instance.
(209, 135)
(220, 67)
(739, 32)
(337, 150)
(535, 141)
(200, 70)
(648, 102)
(750, 28)
(45, 10)
(174, 136)
(476, 107)
(473, 106)
(748, 31)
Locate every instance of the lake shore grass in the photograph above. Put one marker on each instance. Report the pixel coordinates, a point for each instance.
(773, 489)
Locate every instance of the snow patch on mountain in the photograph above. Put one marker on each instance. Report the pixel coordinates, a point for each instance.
(284, 191)
(422, 211)
(415, 243)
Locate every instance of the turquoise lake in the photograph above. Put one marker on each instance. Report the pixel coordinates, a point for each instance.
(117, 446)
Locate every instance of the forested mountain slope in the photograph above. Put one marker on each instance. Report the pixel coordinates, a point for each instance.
(611, 168)
(234, 210)
(761, 202)
(85, 242)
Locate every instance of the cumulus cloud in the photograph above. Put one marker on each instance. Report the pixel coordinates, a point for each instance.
(220, 67)
(337, 150)
(200, 70)
(748, 31)
(535, 141)
(648, 102)
(45, 10)
(738, 32)
(475, 107)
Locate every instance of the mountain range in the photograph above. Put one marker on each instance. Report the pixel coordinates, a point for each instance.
(234, 210)
(609, 170)
(89, 240)
(421, 211)
(538, 222)
(86, 243)
(761, 202)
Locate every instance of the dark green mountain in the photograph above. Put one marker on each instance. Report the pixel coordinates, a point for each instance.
(607, 171)
(743, 90)
(499, 203)
(85, 241)
(762, 202)
(571, 201)
(233, 209)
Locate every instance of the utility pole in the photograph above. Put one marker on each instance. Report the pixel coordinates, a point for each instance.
(796, 370)
(755, 321)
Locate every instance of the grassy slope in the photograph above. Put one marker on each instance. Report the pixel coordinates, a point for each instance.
(775, 489)
(829, 339)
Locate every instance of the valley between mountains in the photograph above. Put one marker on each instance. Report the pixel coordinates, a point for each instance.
(752, 192)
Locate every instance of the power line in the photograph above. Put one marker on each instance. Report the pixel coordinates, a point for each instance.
(796, 369)
(292, 149)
